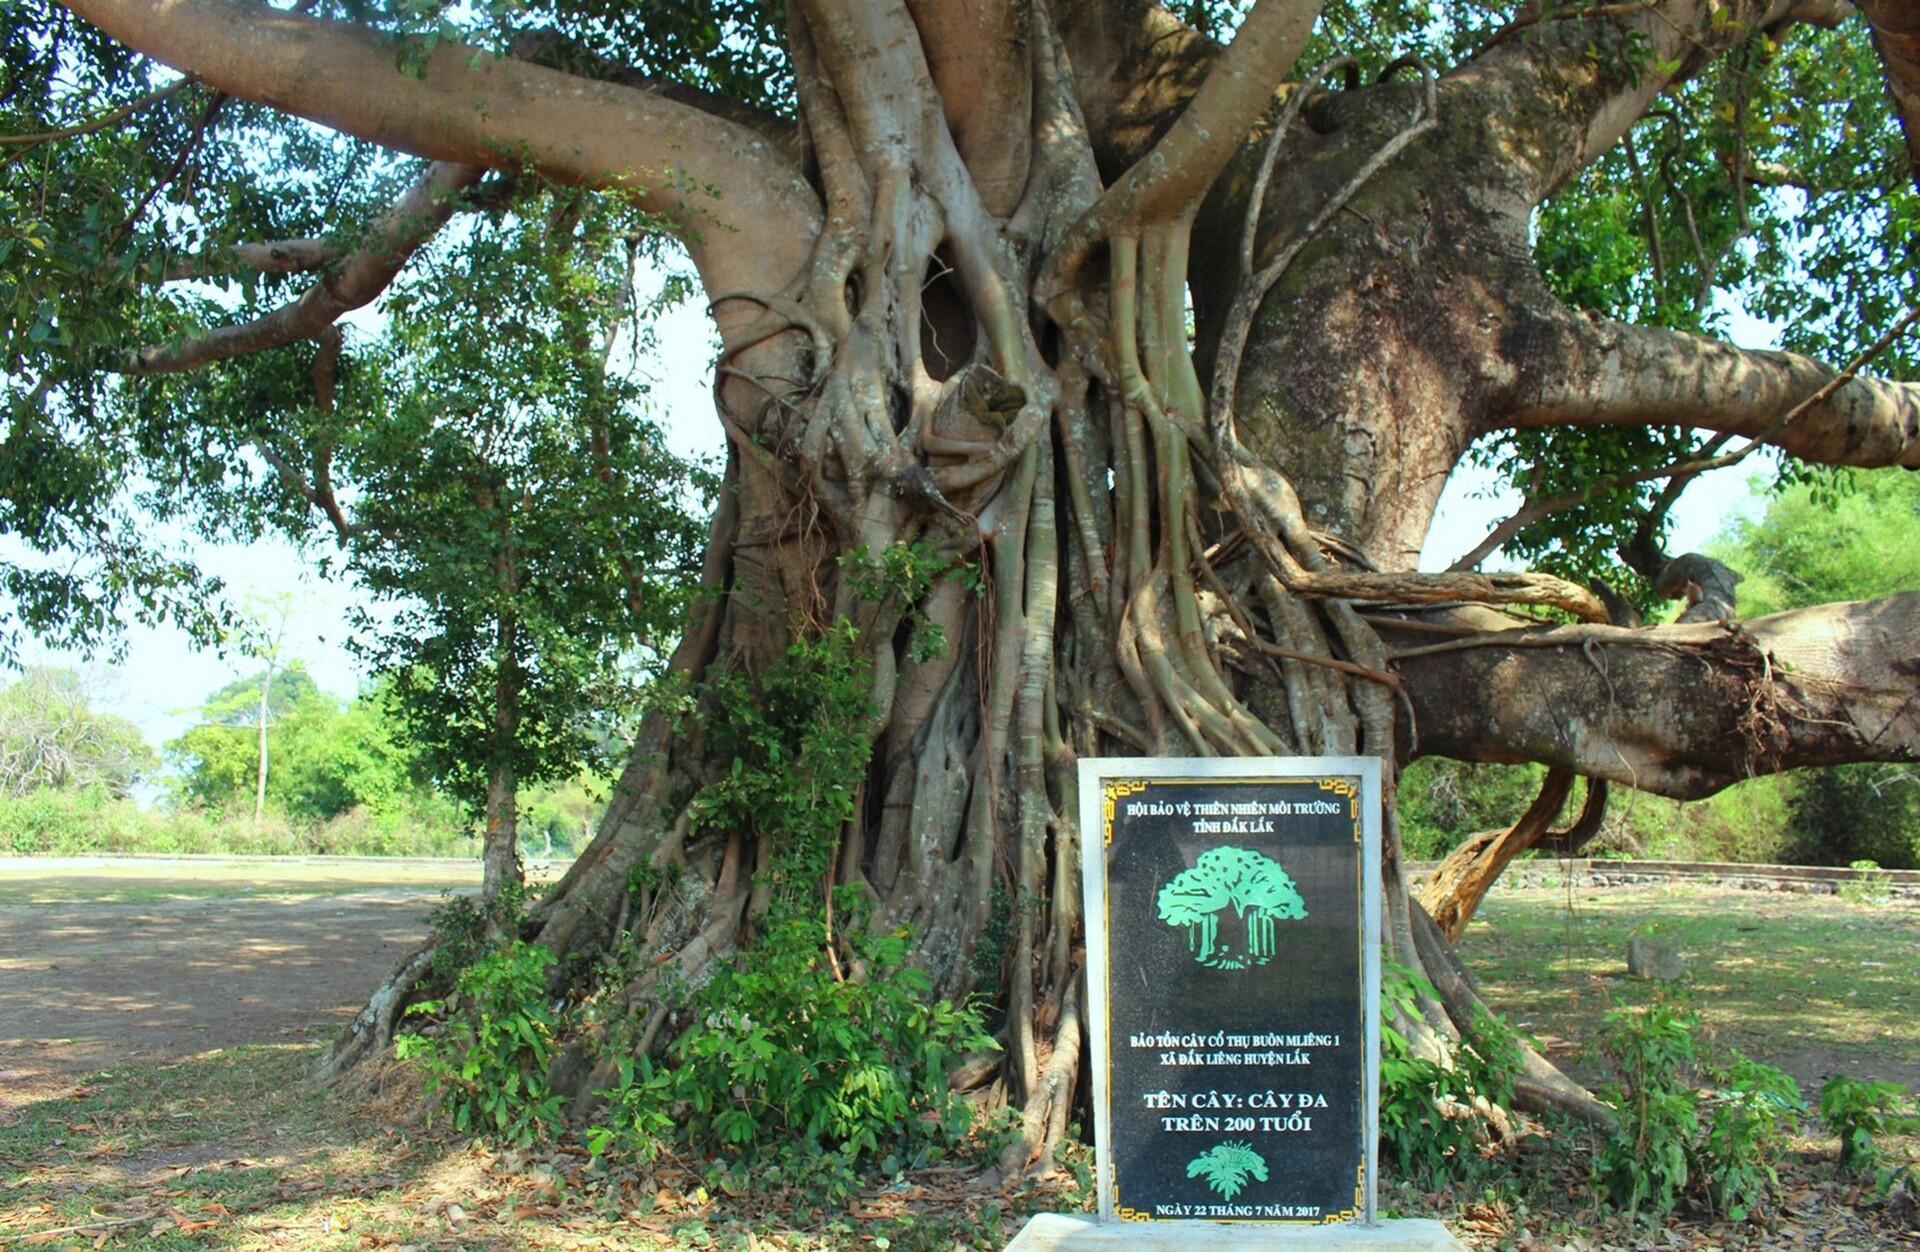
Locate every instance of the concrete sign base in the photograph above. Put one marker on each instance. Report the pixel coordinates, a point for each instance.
(1072, 1232)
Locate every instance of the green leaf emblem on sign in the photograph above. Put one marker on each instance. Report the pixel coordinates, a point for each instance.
(1227, 1166)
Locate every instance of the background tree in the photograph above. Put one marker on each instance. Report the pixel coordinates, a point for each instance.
(330, 760)
(260, 633)
(953, 253)
(533, 539)
(51, 738)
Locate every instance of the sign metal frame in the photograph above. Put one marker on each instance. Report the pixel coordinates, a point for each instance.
(1095, 775)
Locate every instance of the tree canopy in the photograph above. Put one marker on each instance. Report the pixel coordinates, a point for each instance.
(325, 759)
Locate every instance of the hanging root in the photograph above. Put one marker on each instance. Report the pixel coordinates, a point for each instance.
(1540, 1087)
(1455, 890)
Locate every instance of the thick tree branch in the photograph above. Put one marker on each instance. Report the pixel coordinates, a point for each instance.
(282, 256)
(1591, 371)
(1586, 81)
(557, 52)
(1678, 474)
(1168, 183)
(1896, 37)
(466, 107)
(1681, 711)
(426, 207)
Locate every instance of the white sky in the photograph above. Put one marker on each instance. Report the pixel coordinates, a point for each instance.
(162, 679)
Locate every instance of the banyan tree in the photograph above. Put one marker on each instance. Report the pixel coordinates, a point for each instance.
(1089, 372)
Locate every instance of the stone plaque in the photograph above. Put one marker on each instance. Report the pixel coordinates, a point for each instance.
(1233, 916)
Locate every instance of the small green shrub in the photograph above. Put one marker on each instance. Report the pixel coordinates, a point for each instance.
(1647, 1161)
(1873, 886)
(460, 933)
(1434, 1115)
(1673, 1138)
(1749, 1114)
(1862, 1114)
(488, 1063)
(782, 1051)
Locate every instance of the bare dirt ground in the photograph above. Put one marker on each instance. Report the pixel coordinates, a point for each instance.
(103, 962)
(156, 1018)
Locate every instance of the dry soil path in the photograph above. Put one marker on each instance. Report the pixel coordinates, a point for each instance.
(107, 962)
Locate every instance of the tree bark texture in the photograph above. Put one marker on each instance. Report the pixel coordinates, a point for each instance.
(955, 314)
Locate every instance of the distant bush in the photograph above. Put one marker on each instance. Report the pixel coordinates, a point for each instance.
(94, 823)
(1747, 823)
(50, 739)
(1443, 801)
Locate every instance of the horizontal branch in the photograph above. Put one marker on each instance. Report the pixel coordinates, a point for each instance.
(1681, 711)
(282, 256)
(426, 207)
(710, 177)
(1599, 372)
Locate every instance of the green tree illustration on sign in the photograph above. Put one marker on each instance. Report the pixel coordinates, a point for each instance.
(1255, 887)
(1227, 1166)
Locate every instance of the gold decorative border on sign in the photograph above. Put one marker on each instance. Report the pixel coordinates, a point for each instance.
(1115, 789)
(1351, 790)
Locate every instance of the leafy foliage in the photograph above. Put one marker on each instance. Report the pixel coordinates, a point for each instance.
(1863, 1113)
(1856, 540)
(1434, 1112)
(1647, 1163)
(1444, 801)
(325, 759)
(1672, 1136)
(532, 537)
(902, 574)
(1765, 181)
(807, 1038)
(1814, 546)
(1750, 1112)
(783, 1053)
(489, 1062)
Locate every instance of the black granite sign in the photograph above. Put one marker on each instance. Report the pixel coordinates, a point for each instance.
(1235, 997)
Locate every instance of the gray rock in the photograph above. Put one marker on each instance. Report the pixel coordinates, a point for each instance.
(1647, 959)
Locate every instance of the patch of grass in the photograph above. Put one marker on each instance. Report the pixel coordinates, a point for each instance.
(1813, 984)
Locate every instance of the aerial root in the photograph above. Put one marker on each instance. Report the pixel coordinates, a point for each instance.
(371, 1030)
(1540, 1087)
